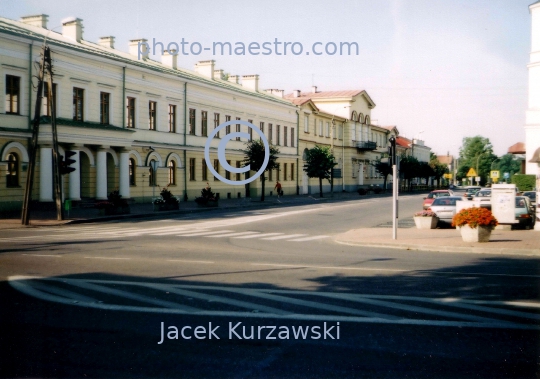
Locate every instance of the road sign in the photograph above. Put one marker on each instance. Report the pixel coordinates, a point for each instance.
(448, 176)
(494, 174)
(477, 179)
(472, 172)
(506, 175)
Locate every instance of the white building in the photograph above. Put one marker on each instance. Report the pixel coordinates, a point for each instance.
(532, 123)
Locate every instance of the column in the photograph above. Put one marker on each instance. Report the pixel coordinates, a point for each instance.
(75, 177)
(101, 174)
(124, 174)
(45, 174)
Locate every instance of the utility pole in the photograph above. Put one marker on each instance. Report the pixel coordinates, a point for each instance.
(392, 160)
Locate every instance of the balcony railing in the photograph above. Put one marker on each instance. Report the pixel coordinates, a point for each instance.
(366, 145)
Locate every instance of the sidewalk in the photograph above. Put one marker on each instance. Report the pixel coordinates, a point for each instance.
(139, 210)
(514, 242)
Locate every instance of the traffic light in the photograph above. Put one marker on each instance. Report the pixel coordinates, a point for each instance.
(65, 163)
(392, 151)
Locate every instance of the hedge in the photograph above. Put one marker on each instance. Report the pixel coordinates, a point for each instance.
(524, 182)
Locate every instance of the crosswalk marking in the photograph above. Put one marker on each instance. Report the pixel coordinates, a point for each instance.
(283, 237)
(258, 235)
(203, 233)
(268, 303)
(230, 234)
(309, 238)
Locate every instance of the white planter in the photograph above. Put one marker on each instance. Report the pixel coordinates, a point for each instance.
(426, 222)
(478, 234)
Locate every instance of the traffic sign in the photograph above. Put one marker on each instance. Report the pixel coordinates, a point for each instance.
(472, 172)
(506, 175)
(494, 174)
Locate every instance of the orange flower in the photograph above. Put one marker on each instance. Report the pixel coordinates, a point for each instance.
(475, 217)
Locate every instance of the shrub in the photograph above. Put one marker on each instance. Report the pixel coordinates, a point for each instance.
(475, 217)
(206, 196)
(377, 190)
(116, 199)
(524, 182)
(166, 197)
(362, 191)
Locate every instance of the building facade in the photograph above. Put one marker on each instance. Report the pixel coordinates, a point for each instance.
(532, 123)
(119, 113)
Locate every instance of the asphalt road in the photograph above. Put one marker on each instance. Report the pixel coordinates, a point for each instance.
(260, 294)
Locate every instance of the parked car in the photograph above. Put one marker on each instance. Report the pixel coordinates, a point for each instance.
(531, 195)
(445, 207)
(525, 212)
(470, 191)
(484, 197)
(435, 194)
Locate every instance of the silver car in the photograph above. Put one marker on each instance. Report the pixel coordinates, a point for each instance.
(445, 207)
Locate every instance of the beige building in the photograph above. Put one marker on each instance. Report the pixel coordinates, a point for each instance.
(341, 120)
(119, 113)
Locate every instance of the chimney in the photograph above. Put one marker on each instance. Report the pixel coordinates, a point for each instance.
(275, 92)
(170, 59)
(314, 89)
(39, 20)
(205, 68)
(233, 79)
(219, 74)
(139, 47)
(296, 93)
(251, 82)
(73, 29)
(106, 42)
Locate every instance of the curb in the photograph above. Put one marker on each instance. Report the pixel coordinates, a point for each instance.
(444, 249)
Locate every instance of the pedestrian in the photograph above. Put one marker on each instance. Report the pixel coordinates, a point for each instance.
(278, 188)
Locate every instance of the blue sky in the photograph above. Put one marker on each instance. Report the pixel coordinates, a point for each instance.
(438, 69)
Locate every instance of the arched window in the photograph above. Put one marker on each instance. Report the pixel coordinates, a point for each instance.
(368, 120)
(132, 172)
(12, 178)
(172, 172)
(152, 175)
(353, 116)
(361, 118)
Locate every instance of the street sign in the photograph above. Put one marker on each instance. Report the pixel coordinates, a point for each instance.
(154, 165)
(477, 179)
(506, 175)
(472, 172)
(448, 176)
(494, 174)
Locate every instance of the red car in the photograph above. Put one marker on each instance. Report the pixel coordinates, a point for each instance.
(435, 194)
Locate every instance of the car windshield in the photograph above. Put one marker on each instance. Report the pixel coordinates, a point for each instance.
(520, 202)
(434, 195)
(449, 201)
(530, 195)
(483, 194)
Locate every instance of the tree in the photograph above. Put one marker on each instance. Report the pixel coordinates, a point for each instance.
(476, 152)
(425, 171)
(319, 163)
(254, 157)
(508, 163)
(408, 167)
(439, 169)
(383, 169)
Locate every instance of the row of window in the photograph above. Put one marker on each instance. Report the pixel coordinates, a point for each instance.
(269, 132)
(193, 177)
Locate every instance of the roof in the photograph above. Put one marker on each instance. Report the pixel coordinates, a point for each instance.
(517, 148)
(332, 94)
(35, 33)
(402, 141)
(445, 159)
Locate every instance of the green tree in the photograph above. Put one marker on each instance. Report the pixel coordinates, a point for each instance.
(507, 163)
(476, 152)
(319, 163)
(254, 157)
(383, 169)
(409, 168)
(439, 169)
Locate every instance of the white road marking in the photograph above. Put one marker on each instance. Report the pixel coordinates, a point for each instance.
(44, 255)
(286, 236)
(258, 235)
(26, 284)
(107, 258)
(309, 238)
(231, 234)
(203, 233)
(188, 261)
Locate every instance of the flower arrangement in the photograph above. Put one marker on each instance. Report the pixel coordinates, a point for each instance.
(475, 217)
(425, 214)
(362, 191)
(116, 199)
